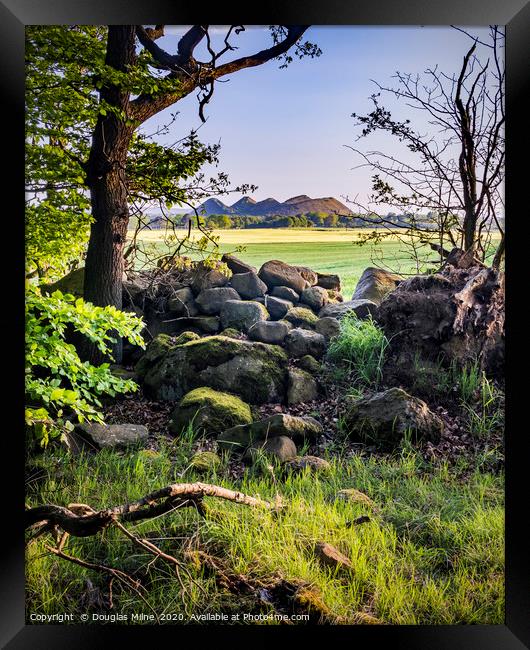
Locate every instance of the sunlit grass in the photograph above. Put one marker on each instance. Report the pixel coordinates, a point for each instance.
(432, 552)
(360, 346)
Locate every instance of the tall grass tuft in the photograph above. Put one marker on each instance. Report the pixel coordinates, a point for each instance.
(361, 347)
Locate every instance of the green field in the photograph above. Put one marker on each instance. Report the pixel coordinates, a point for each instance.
(327, 251)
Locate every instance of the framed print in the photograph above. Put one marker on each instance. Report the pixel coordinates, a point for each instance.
(265, 350)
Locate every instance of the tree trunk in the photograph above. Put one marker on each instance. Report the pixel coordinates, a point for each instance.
(106, 178)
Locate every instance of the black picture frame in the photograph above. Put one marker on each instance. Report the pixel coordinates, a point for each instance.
(515, 14)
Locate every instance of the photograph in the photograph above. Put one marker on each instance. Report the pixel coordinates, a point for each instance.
(264, 325)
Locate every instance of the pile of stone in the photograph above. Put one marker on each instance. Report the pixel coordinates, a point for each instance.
(226, 337)
(265, 305)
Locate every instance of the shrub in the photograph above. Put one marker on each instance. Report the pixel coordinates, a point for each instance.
(360, 347)
(59, 386)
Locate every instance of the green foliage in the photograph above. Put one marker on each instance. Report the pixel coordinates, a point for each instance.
(360, 347)
(61, 111)
(65, 71)
(58, 384)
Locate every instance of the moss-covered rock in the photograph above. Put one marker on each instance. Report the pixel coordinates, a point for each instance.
(385, 418)
(205, 462)
(256, 372)
(159, 347)
(185, 337)
(352, 495)
(155, 350)
(242, 314)
(232, 333)
(209, 411)
(301, 317)
(309, 364)
(299, 429)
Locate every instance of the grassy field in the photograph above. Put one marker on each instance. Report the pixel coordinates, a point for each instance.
(324, 250)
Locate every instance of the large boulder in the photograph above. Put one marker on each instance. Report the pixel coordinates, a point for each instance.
(267, 331)
(256, 372)
(301, 317)
(108, 436)
(315, 297)
(210, 301)
(182, 303)
(209, 412)
(280, 274)
(328, 327)
(280, 448)
(385, 418)
(298, 429)
(248, 285)
(242, 314)
(300, 342)
(286, 293)
(301, 387)
(374, 284)
(236, 265)
(361, 308)
(277, 307)
(329, 281)
(308, 274)
(200, 324)
(207, 276)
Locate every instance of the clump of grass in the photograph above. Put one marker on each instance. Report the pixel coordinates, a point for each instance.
(360, 347)
(485, 414)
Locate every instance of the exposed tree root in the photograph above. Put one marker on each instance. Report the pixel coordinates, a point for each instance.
(80, 520)
(456, 314)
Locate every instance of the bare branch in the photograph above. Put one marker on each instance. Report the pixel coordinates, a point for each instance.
(154, 504)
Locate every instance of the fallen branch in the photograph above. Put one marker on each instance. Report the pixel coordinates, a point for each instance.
(81, 522)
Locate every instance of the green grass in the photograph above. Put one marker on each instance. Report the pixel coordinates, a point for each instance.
(432, 552)
(360, 346)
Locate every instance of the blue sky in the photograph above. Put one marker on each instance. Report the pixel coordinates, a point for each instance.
(286, 130)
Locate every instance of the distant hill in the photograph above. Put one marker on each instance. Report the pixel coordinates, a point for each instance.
(214, 206)
(243, 204)
(269, 207)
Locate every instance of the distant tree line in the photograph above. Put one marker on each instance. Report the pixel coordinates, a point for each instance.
(307, 220)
